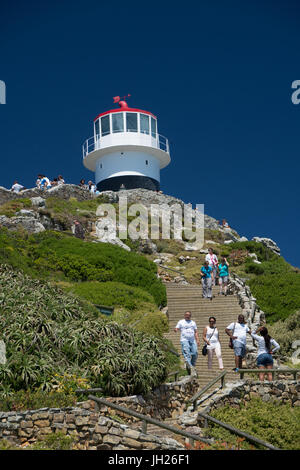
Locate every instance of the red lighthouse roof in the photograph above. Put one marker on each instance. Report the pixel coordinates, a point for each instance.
(123, 107)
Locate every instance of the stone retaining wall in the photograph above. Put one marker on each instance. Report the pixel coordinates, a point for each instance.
(287, 392)
(92, 430)
(167, 401)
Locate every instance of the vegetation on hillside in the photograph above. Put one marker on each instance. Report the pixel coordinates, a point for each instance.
(275, 423)
(51, 330)
(286, 332)
(133, 306)
(48, 332)
(55, 255)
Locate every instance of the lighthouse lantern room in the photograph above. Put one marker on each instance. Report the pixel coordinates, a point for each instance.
(126, 150)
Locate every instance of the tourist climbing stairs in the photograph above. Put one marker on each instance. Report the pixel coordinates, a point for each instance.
(224, 308)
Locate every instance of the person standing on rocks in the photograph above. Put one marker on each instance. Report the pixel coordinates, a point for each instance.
(78, 230)
(16, 187)
(189, 341)
(211, 338)
(266, 347)
(207, 279)
(212, 260)
(238, 333)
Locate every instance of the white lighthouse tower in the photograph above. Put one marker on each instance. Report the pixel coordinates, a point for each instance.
(126, 149)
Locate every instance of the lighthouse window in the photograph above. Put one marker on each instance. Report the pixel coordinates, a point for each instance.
(144, 121)
(105, 126)
(153, 127)
(117, 122)
(97, 128)
(131, 122)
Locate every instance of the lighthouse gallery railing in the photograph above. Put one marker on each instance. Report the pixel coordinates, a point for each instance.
(96, 143)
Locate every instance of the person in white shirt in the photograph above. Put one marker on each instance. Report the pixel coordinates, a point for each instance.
(266, 347)
(60, 180)
(212, 260)
(238, 333)
(16, 187)
(189, 341)
(211, 338)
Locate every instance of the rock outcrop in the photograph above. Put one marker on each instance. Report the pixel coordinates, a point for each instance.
(34, 221)
(268, 243)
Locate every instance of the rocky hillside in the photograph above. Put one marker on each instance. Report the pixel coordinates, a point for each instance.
(255, 264)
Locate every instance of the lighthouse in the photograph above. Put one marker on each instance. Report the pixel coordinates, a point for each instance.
(126, 150)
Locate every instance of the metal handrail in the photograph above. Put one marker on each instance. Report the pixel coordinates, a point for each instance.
(207, 387)
(174, 270)
(94, 143)
(274, 372)
(221, 377)
(146, 419)
(238, 432)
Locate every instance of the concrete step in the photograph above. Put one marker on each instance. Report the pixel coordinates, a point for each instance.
(225, 309)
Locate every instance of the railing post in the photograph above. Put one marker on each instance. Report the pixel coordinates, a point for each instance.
(191, 442)
(144, 427)
(223, 381)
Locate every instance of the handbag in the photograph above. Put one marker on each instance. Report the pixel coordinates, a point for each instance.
(231, 340)
(204, 349)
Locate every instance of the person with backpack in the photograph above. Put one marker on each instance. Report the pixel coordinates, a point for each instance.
(211, 338)
(266, 348)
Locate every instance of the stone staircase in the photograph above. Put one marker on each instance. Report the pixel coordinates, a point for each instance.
(225, 309)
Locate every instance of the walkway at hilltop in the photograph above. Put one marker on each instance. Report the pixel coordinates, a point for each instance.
(224, 309)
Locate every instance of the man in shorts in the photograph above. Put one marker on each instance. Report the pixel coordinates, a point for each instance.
(238, 333)
(189, 341)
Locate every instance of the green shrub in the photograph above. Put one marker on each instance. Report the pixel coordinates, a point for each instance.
(32, 400)
(54, 441)
(254, 268)
(278, 295)
(275, 423)
(286, 332)
(7, 445)
(112, 294)
(54, 254)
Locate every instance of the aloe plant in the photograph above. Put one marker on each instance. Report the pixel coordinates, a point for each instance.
(47, 331)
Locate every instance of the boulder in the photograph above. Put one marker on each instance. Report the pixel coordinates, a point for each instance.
(28, 223)
(106, 233)
(147, 246)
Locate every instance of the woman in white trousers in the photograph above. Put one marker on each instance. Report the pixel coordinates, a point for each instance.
(211, 338)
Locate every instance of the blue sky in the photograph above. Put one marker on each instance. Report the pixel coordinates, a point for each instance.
(217, 75)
